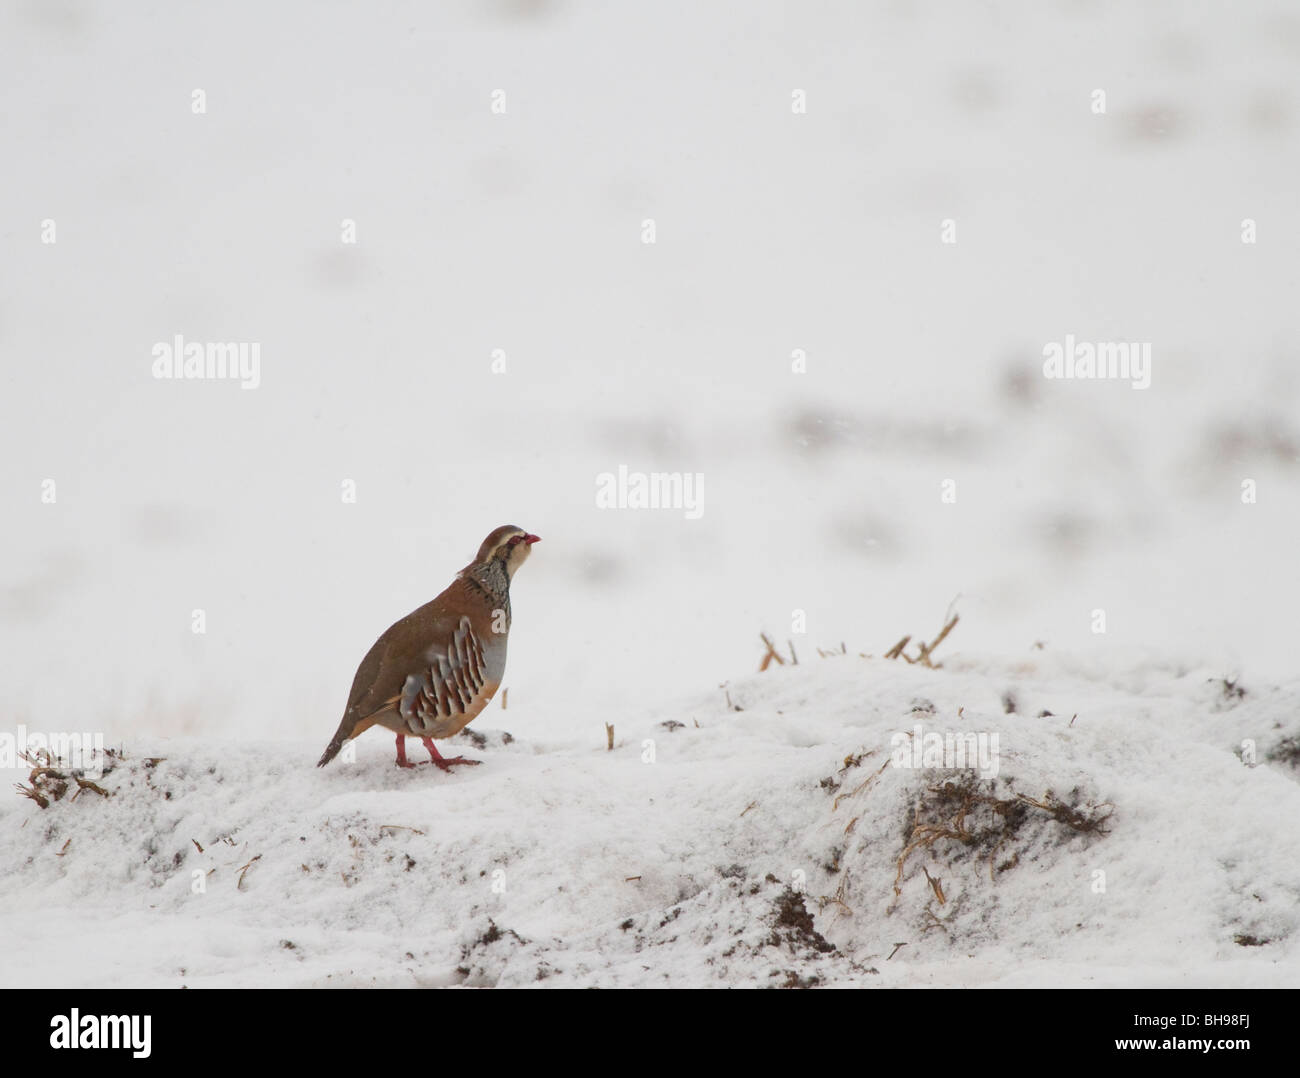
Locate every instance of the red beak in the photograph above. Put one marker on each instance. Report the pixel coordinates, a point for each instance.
(531, 539)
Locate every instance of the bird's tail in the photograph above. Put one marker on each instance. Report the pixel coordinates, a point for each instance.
(336, 742)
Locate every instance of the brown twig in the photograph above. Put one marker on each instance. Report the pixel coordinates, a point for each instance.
(925, 835)
(824, 899)
(935, 885)
(771, 654)
(928, 651)
(924, 650)
(863, 785)
(239, 885)
(33, 793)
(1072, 817)
(86, 784)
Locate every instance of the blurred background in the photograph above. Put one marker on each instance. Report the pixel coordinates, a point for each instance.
(516, 232)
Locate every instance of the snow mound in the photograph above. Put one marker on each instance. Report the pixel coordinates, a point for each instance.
(803, 827)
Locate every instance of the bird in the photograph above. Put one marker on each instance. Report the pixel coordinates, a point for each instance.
(433, 671)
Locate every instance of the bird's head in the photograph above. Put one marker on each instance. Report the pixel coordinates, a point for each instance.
(508, 546)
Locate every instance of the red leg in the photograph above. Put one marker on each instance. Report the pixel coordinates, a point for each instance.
(444, 763)
(401, 752)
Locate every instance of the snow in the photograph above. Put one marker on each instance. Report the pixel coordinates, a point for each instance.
(823, 522)
(666, 860)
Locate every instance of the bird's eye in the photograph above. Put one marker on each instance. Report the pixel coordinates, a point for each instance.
(514, 540)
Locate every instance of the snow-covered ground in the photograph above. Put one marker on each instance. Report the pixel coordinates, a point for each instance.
(749, 837)
(922, 460)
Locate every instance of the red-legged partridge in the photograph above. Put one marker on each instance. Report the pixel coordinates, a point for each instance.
(437, 668)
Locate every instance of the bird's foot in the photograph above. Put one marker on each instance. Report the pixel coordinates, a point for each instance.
(441, 762)
(446, 764)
